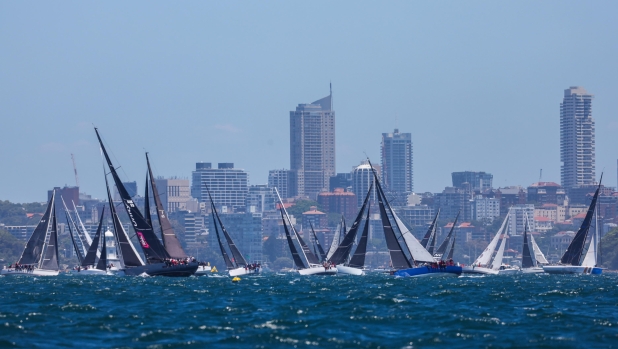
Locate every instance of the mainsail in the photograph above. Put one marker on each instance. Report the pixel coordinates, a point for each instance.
(34, 247)
(430, 235)
(102, 263)
(50, 256)
(226, 258)
(335, 243)
(358, 259)
(239, 260)
(485, 257)
(297, 260)
(526, 255)
(497, 263)
(76, 248)
(152, 247)
(574, 252)
(591, 256)
(538, 254)
(170, 240)
(345, 247)
(317, 242)
(447, 241)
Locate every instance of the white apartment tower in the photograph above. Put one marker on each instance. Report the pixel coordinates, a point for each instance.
(397, 162)
(577, 146)
(312, 146)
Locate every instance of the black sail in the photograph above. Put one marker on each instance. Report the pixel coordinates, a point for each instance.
(102, 263)
(526, 255)
(358, 259)
(78, 252)
(430, 233)
(50, 256)
(34, 247)
(452, 249)
(442, 249)
(345, 247)
(151, 245)
(91, 256)
(238, 257)
(226, 258)
(574, 252)
(317, 241)
(398, 258)
(129, 255)
(297, 260)
(311, 258)
(170, 240)
(147, 215)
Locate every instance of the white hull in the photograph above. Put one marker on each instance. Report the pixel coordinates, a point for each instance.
(89, 272)
(203, 270)
(571, 269)
(534, 270)
(35, 272)
(318, 271)
(342, 269)
(479, 270)
(243, 271)
(509, 271)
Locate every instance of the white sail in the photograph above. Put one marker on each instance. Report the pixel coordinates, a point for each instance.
(538, 254)
(84, 231)
(419, 253)
(498, 259)
(591, 256)
(485, 257)
(334, 244)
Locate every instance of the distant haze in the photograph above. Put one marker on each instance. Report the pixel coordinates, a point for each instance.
(478, 84)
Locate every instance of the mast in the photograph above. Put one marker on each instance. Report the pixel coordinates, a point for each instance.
(94, 247)
(50, 254)
(78, 253)
(34, 247)
(317, 241)
(358, 259)
(147, 203)
(226, 258)
(81, 229)
(170, 240)
(152, 247)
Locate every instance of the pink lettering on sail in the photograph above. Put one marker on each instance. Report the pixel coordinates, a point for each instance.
(142, 240)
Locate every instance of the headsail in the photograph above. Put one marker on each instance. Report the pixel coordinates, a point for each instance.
(538, 254)
(152, 247)
(92, 251)
(574, 252)
(486, 255)
(50, 256)
(317, 241)
(238, 257)
(297, 260)
(497, 263)
(170, 240)
(102, 263)
(591, 256)
(76, 248)
(429, 235)
(34, 247)
(226, 258)
(442, 249)
(335, 243)
(78, 244)
(358, 259)
(526, 255)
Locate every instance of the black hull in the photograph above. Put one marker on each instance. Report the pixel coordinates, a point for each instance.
(160, 269)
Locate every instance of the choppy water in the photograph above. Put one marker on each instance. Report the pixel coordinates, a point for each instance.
(282, 311)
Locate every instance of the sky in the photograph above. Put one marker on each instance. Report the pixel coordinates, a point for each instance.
(477, 83)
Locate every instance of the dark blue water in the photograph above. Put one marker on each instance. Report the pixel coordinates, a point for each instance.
(277, 311)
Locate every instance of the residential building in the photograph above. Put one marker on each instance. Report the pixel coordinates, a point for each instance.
(561, 241)
(477, 181)
(577, 143)
(246, 231)
(519, 215)
(546, 193)
(339, 201)
(312, 146)
(509, 196)
(283, 180)
(260, 198)
(341, 180)
(397, 160)
(228, 186)
(362, 177)
(485, 209)
(452, 201)
(174, 193)
(416, 216)
(543, 224)
(318, 219)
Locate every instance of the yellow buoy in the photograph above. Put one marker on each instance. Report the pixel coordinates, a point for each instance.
(235, 279)
(213, 270)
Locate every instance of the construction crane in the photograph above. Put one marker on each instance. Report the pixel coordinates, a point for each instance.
(75, 170)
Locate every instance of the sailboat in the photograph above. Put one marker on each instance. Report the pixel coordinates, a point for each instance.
(237, 265)
(40, 256)
(571, 263)
(429, 240)
(421, 262)
(339, 233)
(158, 260)
(87, 265)
(532, 259)
(312, 265)
(341, 257)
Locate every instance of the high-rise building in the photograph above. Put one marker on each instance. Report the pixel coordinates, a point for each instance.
(260, 198)
(174, 193)
(312, 146)
(228, 186)
(284, 182)
(478, 181)
(362, 177)
(339, 201)
(397, 162)
(577, 146)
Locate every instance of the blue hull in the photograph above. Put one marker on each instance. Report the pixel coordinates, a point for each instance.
(425, 271)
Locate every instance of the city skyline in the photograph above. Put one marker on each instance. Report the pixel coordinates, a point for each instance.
(473, 99)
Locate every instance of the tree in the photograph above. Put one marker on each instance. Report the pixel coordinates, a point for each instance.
(282, 263)
(609, 250)
(274, 248)
(302, 206)
(10, 247)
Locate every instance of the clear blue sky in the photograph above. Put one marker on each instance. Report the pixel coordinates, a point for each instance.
(478, 84)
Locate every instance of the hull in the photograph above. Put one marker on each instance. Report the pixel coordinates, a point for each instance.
(571, 269)
(35, 272)
(534, 270)
(342, 269)
(89, 272)
(318, 271)
(203, 270)
(451, 270)
(160, 269)
(479, 270)
(509, 271)
(243, 271)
